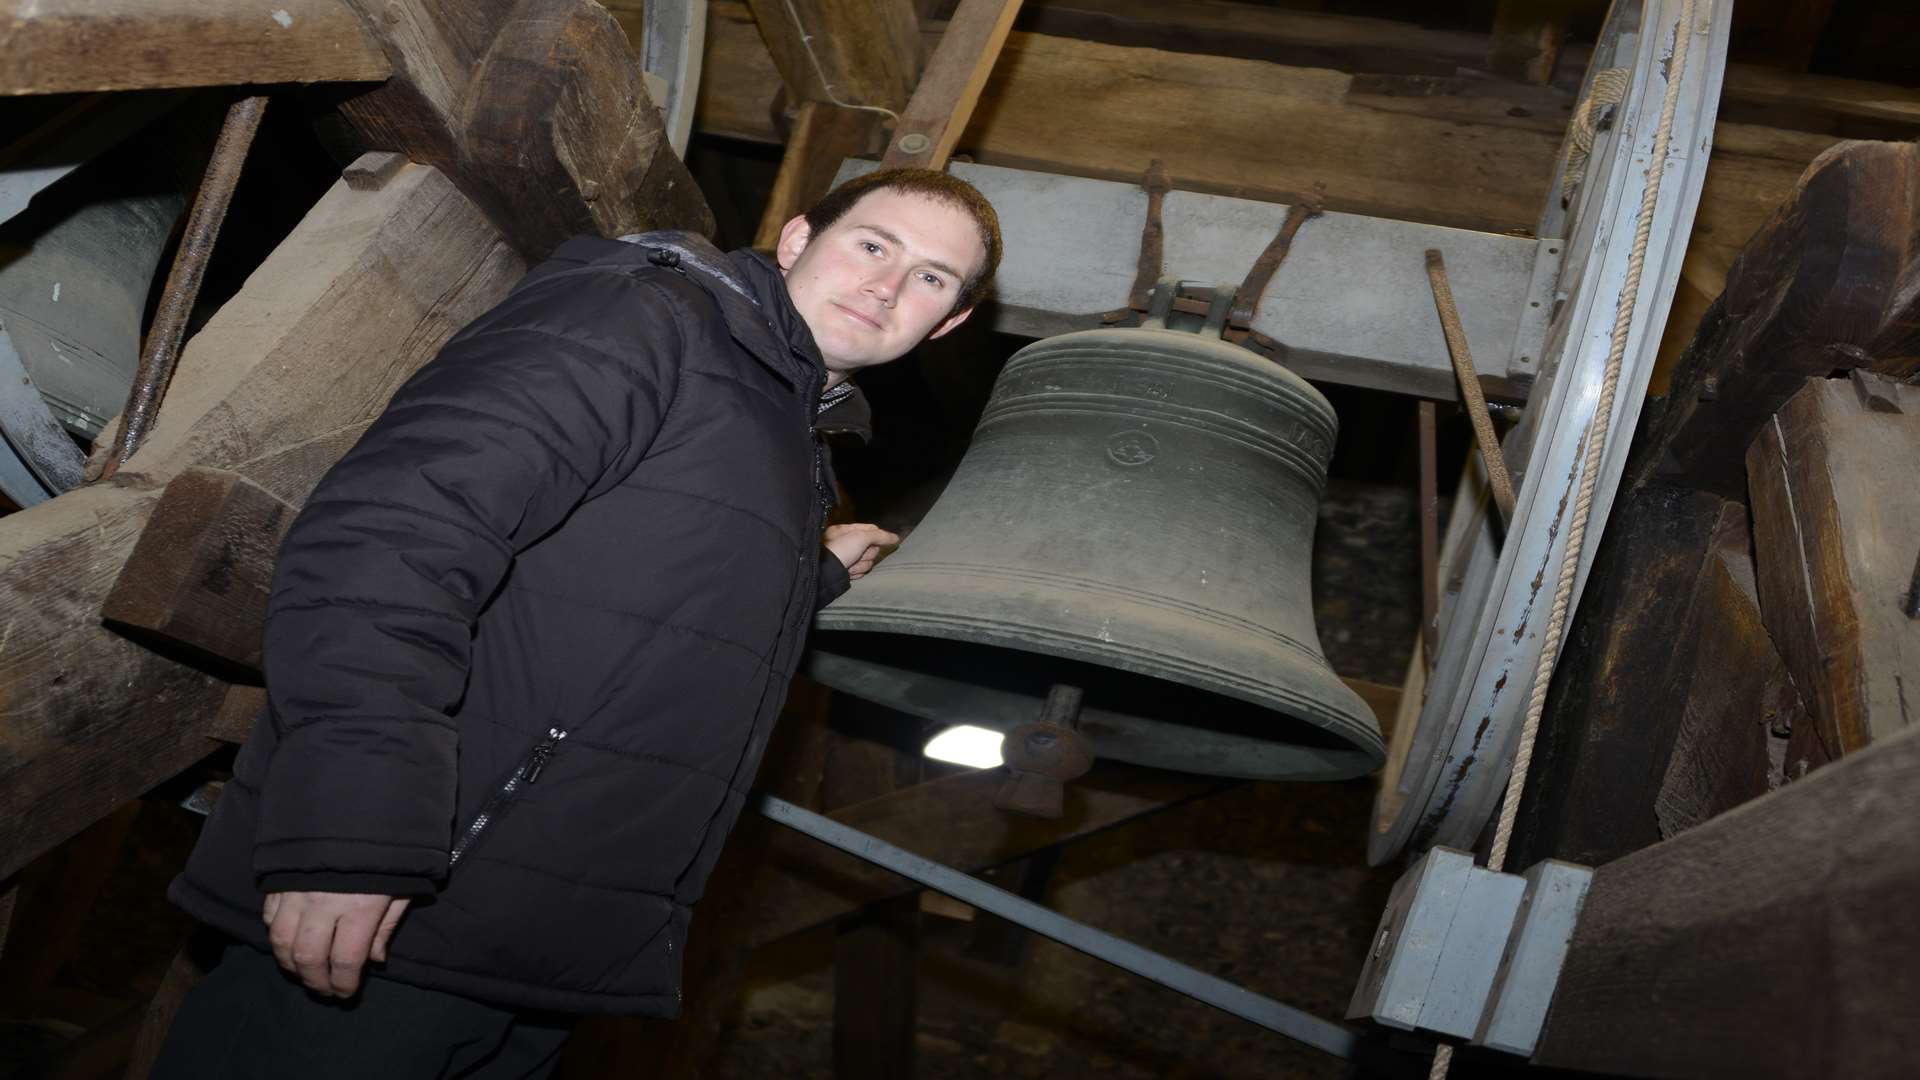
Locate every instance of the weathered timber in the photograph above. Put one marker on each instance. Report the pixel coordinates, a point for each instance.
(536, 110)
(1739, 702)
(1828, 284)
(362, 293)
(1612, 715)
(876, 950)
(202, 568)
(70, 46)
(1836, 529)
(1527, 38)
(868, 52)
(945, 98)
(823, 136)
(1850, 108)
(1773, 941)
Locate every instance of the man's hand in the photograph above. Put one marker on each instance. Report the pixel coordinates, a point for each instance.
(857, 546)
(327, 938)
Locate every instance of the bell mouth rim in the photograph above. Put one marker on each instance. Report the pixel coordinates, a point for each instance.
(1362, 750)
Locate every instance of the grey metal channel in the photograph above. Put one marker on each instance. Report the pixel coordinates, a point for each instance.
(1266, 1012)
(1493, 629)
(672, 40)
(1351, 302)
(38, 460)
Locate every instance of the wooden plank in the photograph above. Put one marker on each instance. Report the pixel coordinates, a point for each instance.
(1817, 289)
(536, 110)
(1739, 701)
(200, 573)
(1773, 941)
(823, 136)
(945, 98)
(1836, 535)
(1527, 38)
(849, 52)
(363, 291)
(74, 46)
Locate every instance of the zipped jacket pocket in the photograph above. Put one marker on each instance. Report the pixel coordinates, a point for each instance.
(501, 799)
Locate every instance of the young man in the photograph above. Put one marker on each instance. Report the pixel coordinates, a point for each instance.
(528, 638)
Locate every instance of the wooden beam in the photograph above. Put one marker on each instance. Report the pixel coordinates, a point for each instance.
(75, 46)
(537, 112)
(945, 98)
(1527, 38)
(1773, 941)
(362, 292)
(847, 52)
(200, 573)
(1828, 284)
(823, 136)
(1836, 530)
(1739, 701)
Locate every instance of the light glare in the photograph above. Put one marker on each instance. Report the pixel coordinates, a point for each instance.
(975, 747)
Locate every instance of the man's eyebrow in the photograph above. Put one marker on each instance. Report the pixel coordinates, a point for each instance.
(890, 238)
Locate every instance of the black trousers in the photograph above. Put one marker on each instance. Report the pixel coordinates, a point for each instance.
(248, 1020)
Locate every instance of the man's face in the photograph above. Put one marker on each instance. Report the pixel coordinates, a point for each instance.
(882, 279)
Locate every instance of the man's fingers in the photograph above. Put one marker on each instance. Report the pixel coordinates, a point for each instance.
(283, 929)
(272, 905)
(391, 919)
(312, 950)
(352, 936)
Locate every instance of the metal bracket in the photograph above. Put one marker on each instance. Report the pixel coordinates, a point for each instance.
(1466, 953)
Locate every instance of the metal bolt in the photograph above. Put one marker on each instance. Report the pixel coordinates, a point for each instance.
(914, 143)
(589, 190)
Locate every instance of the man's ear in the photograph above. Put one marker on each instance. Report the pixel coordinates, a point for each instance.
(793, 240)
(951, 321)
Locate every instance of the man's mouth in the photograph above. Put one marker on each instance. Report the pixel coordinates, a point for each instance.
(867, 320)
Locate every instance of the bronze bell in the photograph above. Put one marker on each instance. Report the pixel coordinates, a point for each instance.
(1134, 518)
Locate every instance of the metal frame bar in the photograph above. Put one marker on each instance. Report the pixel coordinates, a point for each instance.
(1270, 1014)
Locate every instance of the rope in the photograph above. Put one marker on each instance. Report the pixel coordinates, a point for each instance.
(1470, 385)
(1609, 89)
(826, 87)
(1596, 440)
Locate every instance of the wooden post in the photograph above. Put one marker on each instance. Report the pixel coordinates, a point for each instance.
(1836, 517)
(1773, 941)
(847, 52)
(537, 112)
(956, 74)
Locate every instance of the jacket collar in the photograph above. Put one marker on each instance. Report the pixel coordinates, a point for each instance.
(753, 300)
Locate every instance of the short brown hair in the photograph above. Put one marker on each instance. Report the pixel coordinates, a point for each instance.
(930, 184)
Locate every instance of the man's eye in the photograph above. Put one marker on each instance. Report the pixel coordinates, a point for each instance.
(932, 279)
(870, 247)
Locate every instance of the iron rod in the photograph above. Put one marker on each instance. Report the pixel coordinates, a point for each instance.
(162, 349)
(1270, 1014)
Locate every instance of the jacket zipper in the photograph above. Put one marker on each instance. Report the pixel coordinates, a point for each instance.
(496, 804)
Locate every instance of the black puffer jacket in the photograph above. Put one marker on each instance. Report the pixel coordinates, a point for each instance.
(598, 511)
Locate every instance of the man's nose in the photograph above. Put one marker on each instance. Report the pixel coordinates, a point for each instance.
(885, 285)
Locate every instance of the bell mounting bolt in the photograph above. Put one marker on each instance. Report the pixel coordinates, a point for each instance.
(1042, 756)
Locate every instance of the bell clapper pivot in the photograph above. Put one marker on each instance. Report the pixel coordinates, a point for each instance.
(1042, 756)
